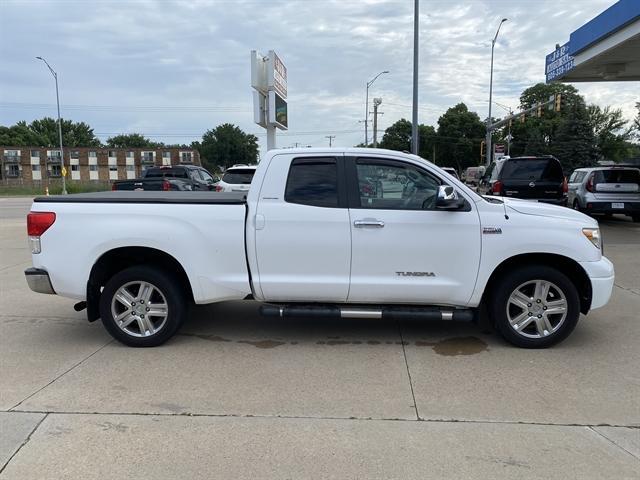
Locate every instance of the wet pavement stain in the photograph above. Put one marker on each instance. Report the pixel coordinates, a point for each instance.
(263, 343)
(452, 347)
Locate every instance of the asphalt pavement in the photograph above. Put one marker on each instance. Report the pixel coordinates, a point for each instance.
(235, 395)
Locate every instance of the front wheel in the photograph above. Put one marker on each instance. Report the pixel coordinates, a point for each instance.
(142, 306)
(535, 307)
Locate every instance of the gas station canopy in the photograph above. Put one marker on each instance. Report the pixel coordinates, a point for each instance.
(606, 48)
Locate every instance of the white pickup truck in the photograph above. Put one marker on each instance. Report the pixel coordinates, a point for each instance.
(357, 233)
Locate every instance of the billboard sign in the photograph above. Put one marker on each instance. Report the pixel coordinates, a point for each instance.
(258, 72)
(277, 74)
(558, 63)
(278, 114)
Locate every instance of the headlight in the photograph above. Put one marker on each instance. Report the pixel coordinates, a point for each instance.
(593, 234)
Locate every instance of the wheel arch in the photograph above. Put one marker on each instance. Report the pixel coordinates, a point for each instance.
(117, 259)
(572, 269)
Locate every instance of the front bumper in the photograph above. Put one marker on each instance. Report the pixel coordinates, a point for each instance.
(602, 276)
(38, 280)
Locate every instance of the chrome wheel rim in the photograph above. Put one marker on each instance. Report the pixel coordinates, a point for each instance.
(537, 309)
(139, 309)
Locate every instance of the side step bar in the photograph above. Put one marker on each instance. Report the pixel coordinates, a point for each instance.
(390, 312)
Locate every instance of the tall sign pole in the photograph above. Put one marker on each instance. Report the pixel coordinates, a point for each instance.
(414, 124)
(269, 81)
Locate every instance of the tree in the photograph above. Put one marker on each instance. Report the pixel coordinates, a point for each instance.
(459, 135)
(398, 137)
(132, 140)
(636, 121)
(612, 138)
(226, 145)
(574, 143)
(44, 133)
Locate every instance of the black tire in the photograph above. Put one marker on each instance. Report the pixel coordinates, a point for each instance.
(635, 217)
(166, 294)
(576, 205)
(499, 305)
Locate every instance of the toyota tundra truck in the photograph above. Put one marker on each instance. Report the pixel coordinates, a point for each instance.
(353, 233)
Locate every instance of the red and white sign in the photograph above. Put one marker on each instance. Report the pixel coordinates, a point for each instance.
(277, 74)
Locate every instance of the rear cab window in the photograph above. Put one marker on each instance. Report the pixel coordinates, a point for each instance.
(166, 172)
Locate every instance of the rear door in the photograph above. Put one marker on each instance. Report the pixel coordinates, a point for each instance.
(532, 178)
(302, 233)
(404, 250)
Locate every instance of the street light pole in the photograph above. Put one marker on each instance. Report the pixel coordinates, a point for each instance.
(55, 76)
(366, 110)
(488, 139)
(510, 110)
(414, 117)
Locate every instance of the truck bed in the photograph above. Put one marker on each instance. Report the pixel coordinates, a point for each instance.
(170, 197)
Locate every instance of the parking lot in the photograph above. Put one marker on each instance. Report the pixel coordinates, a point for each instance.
(235, 395)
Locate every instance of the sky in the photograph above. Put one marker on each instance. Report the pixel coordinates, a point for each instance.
(172, 69)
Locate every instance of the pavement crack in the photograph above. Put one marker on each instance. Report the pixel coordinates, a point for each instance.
(26, 440)
(630, 290)
(593, 429)
(59, 376)
(406, 364)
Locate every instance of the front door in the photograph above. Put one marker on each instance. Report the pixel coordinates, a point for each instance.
(404, 250)
(303, 238)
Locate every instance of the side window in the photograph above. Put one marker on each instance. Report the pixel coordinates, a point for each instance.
(395, 186)
(574, 177)
(313, 181)
(205, 176)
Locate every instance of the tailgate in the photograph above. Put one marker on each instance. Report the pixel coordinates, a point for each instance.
(541, 189)
(617, 184)
(138, 184)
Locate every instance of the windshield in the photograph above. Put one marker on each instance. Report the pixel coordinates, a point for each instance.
(166, 172)
(239, 176)
(532, 169)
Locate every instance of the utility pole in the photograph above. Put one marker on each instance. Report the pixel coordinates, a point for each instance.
(366, 109)
(55, 76)
(330, 137)
(488, 139)
(376, 104)
(414, 124)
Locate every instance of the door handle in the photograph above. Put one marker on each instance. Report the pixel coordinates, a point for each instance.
(368, 223)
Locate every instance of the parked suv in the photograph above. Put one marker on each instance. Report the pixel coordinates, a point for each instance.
(236, 179)
(606, 190)
(530, 178)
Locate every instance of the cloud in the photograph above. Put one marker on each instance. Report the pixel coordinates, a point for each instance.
(173, 69)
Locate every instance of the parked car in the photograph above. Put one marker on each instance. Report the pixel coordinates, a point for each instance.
(309, 241)
(606, 190)
(451, 171)
(169, 177)
(531, 178)
(236, 179)
(472, 175)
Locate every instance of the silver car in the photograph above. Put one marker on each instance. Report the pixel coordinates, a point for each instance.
(606, 190)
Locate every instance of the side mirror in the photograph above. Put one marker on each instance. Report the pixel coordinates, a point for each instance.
(447, 198)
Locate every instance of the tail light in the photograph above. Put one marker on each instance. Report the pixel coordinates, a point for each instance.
(565, 186)
(496, 188)
(37, 224)
(589, 185)
(113, 187)
(218, 188)
(166, 186)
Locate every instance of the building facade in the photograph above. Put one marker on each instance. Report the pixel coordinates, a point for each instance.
(34, 166)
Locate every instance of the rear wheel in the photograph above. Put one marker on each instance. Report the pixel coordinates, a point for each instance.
(535, 307)
(142, 307)
(636, 217)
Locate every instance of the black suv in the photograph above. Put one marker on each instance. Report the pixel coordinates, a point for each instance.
(531, 178)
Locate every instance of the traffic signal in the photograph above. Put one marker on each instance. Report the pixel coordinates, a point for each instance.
(558, 101)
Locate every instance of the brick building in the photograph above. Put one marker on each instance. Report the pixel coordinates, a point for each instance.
(35, 166)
